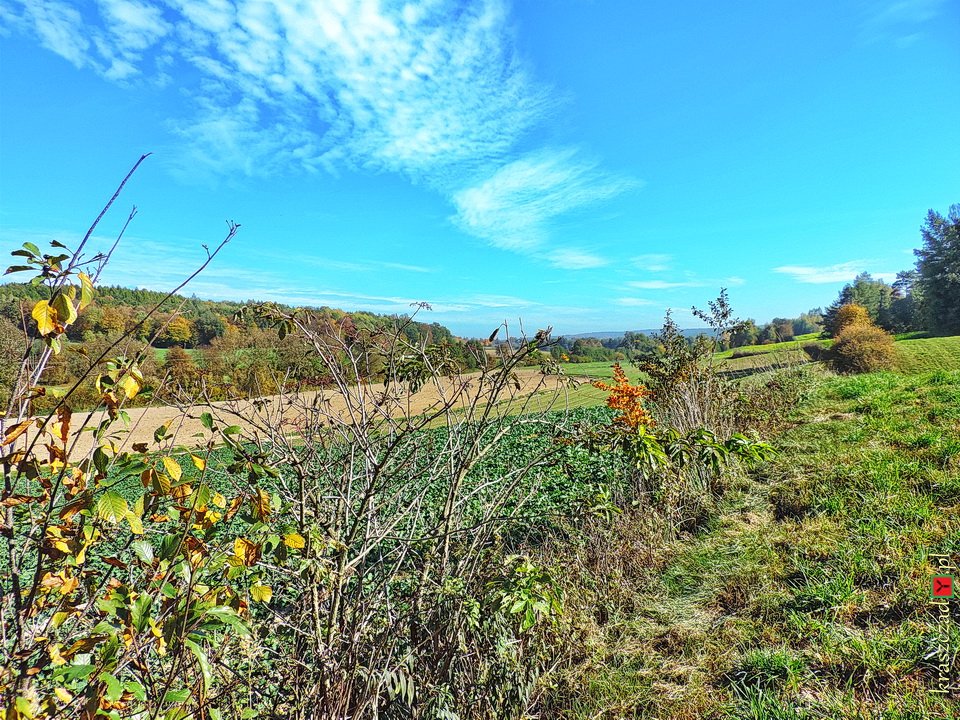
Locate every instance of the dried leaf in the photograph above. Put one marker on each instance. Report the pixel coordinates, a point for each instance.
(248, 552)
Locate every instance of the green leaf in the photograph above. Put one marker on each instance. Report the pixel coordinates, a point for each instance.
(232, 430)
(138, 690)
(101, 461)
(32, 248)
(226, 615)
(65, 309)
(112, 507)
(69, 673)
(161, 432)
(176, 696)
(204, 663)
(140, 611)
(143, 550)
(17, 268)
(24, 708)
(207, 420)
(114, 687)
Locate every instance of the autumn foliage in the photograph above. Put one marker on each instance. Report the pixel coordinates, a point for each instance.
(626, 398)
(851, 315)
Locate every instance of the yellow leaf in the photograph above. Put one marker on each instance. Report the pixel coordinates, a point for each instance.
(16, 431)
(261, 593)
(69, 585)
(173, 468)
(62, 546)
(136, 524)
(57, 659)
(86, 290)
(261, 504)
(131, 385)
(63, 694)
(46, 317)
(248, 552)
(295, 541)
(199, 462)
(219, 500)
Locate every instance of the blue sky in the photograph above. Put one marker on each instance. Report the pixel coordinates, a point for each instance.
(580, 163)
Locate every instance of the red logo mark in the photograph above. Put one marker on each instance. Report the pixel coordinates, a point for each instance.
(941, 586)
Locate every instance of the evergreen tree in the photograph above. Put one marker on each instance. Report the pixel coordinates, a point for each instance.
(938, 263)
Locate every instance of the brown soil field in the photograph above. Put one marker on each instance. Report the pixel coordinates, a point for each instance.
(275, 413)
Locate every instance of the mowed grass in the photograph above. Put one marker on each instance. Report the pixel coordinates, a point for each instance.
(928, 354)
(807, 595)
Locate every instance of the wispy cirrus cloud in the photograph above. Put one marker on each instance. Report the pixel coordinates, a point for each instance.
(897, 20)
(435, 91)
(634, 302)
(841, 272)
(653, 262)
(513, 208)
(662, 285)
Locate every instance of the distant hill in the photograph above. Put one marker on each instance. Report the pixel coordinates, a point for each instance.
(608, 334)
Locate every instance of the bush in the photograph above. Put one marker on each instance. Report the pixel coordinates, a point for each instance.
(849, 316)
(862, 349)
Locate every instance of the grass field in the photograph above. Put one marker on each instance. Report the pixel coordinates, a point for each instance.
(928, 354)
(914, 355)
(807, 597)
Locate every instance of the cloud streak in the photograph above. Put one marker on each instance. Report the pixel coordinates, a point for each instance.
(841, 272)
(434, 91)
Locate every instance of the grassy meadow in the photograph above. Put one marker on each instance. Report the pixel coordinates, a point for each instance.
(807, 595)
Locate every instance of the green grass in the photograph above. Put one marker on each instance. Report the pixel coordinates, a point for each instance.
(920, 355)
(600, 370)
(806, 596)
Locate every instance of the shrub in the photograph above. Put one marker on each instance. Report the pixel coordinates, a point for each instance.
(849, 316)
(862, 349)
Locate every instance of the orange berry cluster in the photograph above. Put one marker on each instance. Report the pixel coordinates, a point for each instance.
(626, 398)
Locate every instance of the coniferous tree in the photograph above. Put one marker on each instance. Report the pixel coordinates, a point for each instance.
(938, 264)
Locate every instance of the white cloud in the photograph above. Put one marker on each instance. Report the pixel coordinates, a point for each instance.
(632, 301)
(59, 27)
(513, 207)
(842, 272)
(653, 263)
(735, 281)
(896, 20)
(573, 259)
(134, 26)
(661, 285)
(434, 90)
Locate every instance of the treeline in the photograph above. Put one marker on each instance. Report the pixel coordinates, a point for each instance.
(212, 348)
